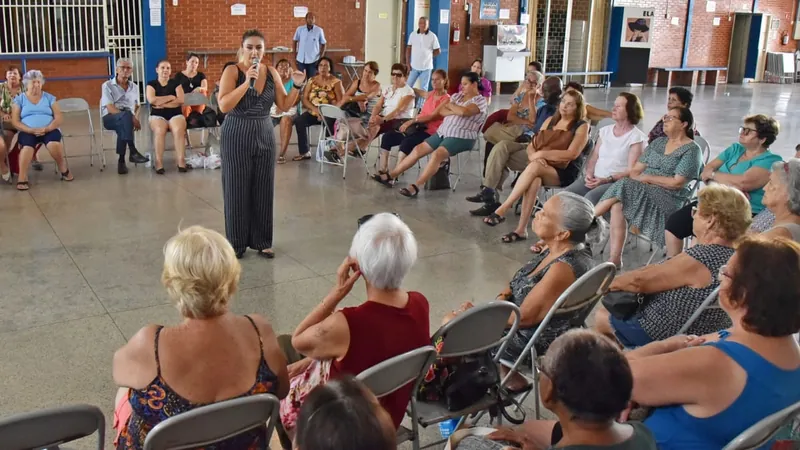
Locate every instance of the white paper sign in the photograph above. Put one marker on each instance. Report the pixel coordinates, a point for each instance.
(716, 21)
(239, 9)
(524, 19)
(300, 11)
(711, 6)
(155, 17)
(505, 14)
(675, 21)
(155, 4)
(444, 16)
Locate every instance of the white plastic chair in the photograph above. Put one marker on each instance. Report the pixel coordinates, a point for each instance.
(50, 428)
(79, 105)
(336, 113)
(764, 430)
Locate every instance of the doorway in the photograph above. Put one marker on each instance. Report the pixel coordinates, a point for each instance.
(748, 50)
(737, 58)
(383, 32)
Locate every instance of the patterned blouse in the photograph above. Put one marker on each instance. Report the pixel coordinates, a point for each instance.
(322, 94)
(463, 127)
(7, 98)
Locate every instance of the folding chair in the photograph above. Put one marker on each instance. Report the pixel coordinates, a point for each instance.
(602, 123)
(476, 148)
(476, 330)
(394, 373)
(48, 428)
(579, 299)
(79, 105)
(215, 422)
(764, 430)
(197, 99)
(707, 303)
(704, 147)
(336, 113)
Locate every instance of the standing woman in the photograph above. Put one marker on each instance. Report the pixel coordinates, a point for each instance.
(247, 145)
(165, 96)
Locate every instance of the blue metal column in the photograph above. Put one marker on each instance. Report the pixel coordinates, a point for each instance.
(154, 41)
(442, 30)
(687, 37)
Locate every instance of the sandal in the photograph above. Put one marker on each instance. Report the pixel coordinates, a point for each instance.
(281, 159)
(185, 168)
(22, 186)
(269, 254)
(513, 237)
(66, 176)
(384, 179)
(493, 219)
(161, 171)
(405, 192)
(301, 157)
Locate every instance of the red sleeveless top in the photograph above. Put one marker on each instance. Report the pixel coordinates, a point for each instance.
(379, 332)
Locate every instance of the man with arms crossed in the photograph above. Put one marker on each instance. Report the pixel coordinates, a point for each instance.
(422, 46)
(309, 45)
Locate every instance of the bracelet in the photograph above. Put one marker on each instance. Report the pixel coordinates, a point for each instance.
(610, 178)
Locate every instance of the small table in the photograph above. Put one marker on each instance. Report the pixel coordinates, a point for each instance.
(352, 69)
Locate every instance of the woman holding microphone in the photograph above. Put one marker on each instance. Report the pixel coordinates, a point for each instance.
(247, 145)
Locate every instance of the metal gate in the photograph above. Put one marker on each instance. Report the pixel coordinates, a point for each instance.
(124, 36)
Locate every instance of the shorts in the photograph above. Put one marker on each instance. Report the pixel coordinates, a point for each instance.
(277, 120)
(165, 114)
(31, 140)
(453, 145)
(569, 174)
(629, 332)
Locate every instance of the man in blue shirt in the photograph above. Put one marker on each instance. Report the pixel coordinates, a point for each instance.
(119, 106)
(309, 45)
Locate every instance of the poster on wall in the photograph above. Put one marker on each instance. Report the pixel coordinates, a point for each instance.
(637, 24)
(422, 8)
(490, 9)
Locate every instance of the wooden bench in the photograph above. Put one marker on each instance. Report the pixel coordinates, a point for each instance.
(687, 76)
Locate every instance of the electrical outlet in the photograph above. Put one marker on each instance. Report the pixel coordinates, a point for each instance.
(358, 4)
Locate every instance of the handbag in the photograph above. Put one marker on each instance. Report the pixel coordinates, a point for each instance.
(316, 374)
(623, 305)
(415, 127)
(441, 179)
(352, 109)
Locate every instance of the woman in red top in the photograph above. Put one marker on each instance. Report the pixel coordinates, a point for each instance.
(390, 323)
(414, 131)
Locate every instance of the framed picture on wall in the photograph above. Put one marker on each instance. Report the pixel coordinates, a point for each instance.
(490, 10)
(636, 28)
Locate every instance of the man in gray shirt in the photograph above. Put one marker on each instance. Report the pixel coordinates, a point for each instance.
(119, 105)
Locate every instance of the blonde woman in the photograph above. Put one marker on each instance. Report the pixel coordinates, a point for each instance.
(211, 356)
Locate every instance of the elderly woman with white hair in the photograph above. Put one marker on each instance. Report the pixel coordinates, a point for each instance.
(211, 356)
(781, 218)
(36, 116)
(391, 322)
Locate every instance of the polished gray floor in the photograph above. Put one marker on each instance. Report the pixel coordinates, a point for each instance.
(81, 261)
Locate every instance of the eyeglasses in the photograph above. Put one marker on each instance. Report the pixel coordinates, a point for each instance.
(744, 131)
(668, 118)
(397, 74)
(723, 273)
(126, 67)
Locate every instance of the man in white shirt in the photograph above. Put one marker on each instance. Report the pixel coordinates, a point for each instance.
(119, 105)
(309, 45)
(422, 46)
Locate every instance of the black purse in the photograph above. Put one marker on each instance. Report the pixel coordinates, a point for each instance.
(470, 381)
(415, 127)
(441, 179)
(623, 305)
(352, 109)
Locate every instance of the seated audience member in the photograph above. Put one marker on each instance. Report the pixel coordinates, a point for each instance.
(593, 114)
(8, 92)
(36, 117)
(616, 151)
(512, 151)
(679, 97)
(501, 115)
(555, 156)
(281, 118)
(764, 220)
(673, 290)
(213, 355)
(705, 395)
(414, 132)
(323, 89)
(587, 416)
(344, 414)
(565, 224)
(520, 117)
(119, 105)
(744, 165)
(656, 187)
(391, 322)
(358, 103)
(782, 202)
(486, 85)
(193, 82)
(463, 116)
(165, 96)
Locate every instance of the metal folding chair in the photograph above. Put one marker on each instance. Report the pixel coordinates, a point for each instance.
(579, 300)
(707, 303)
(50, 428)
(79, 105)
(336, 113)
(704, 147)
(197, 99)
(764, 430)
(476, 148)
(394, 373)
(215, 422)
(602, 123)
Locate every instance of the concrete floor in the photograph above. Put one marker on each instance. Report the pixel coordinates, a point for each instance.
(82, 260)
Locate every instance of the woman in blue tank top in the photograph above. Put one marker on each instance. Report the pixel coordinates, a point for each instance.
(708, 390)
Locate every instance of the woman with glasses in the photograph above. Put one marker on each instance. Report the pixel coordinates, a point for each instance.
(673, 290)
(745, 165)
(782, 202)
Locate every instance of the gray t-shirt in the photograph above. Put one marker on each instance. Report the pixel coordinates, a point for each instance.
(642, 439)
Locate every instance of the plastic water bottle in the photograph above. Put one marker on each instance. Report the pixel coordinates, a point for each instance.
(149, 162)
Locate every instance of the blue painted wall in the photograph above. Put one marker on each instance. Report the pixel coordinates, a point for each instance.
(155, 41)
(687, 34)
(614, 40)
(442, 30)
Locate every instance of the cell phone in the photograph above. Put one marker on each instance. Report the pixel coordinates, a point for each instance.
(363, 219)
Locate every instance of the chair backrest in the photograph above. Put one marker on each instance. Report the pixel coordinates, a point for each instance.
(602, 123)
(705, 148)
(394, 373)
(214, 423)
(51, 427)
(712, 297)
(477, 329)
(764, 430)
(68, 105)
(332, 112)
(194, 99)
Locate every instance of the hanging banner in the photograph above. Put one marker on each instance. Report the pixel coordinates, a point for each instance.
(490, 9)
(422, 8)
(637, 25)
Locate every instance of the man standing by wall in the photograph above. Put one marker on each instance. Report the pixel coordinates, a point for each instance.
(422, 46)
(309, 45)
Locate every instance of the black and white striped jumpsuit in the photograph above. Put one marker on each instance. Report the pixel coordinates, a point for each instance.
(247, 149)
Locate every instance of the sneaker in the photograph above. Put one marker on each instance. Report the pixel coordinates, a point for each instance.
(122, 169)
(485, 210)
(37, 166)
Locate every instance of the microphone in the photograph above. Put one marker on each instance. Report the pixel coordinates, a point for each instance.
(253, 81)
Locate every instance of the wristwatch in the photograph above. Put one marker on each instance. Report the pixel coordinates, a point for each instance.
(610, 178)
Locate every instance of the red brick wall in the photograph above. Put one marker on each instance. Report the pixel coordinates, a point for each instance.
(86, 89)
(462, 55)
(211, 26)
(710, 45)
(667, 48)
(783, 10)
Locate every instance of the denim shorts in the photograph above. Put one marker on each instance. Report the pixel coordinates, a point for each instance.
(453, 145)
(629, 332)
(31, 140)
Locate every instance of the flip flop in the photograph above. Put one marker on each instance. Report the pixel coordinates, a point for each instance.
(302, 157)
(269, 254)
(22, 186)
(281, 159)
(513, 237)
(493, 219)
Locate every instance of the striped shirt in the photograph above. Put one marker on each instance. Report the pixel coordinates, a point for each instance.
(464, 127)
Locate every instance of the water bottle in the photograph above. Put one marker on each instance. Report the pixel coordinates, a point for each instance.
(149, 162)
